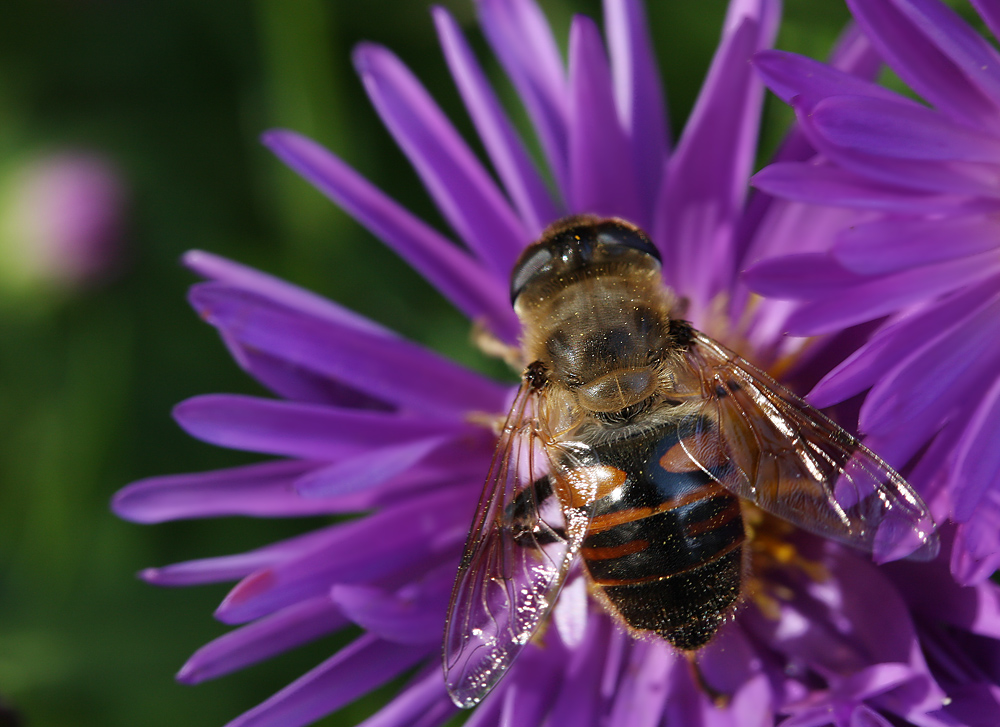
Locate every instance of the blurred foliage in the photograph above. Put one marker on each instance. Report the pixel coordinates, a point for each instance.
(175, 94)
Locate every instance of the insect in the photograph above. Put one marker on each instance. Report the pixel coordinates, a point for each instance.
(630, 446)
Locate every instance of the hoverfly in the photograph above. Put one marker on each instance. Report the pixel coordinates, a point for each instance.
(630, 445)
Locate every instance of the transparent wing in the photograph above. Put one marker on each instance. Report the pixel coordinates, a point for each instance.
(520, 548)
(767, 445)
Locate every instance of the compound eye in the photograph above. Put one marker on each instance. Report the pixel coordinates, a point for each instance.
(614, 233)
(528, 267)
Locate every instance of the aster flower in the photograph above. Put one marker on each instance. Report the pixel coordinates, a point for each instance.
(61, 218)
(921, 262)
(827, 637)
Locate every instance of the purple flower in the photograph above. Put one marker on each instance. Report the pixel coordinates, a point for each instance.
(369, 422)
(921, 263)
(62, 222)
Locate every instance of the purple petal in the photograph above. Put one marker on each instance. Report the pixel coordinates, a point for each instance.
(260, 490)
(832, 626)
(639, 96)
(642, 691)
(353, 671)
(960, 43)
(533, 684)
(400, 539)
(234, 275)
(365, 470)
(474, 291)
(889, 344)
(806, 81)
(951, 177)
(570, 615)
(368, 358)
(895, 688)
(989, 11)
(301, 430)
(461, 188)
(883, 295)
(619, 647)
(705, 189)
(932, 594)
(972, 704)
(506, 150)
(292, 381)
(260, 640)
(233, 567)
(424, 703)
(754, 698)
(977, 457)
(911, 47)
(975, 554)
(892, 244)
(898, 129)
(948, 365)
(411, 615)
(805, 275)
(578, 703)
(825, 185)
(522, 40)
(602, 178)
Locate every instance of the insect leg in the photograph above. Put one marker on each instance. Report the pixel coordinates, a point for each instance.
(719, 699)
(522, 514)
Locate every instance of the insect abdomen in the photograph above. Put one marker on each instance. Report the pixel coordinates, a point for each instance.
(666, 548)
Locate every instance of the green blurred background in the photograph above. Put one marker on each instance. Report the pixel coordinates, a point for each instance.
(175, 94)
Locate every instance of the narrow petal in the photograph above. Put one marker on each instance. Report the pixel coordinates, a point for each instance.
(411, 615)
(423, 703)
(977, 466)
(260, 490)
(921, 63)
(578, 700)
(888, 345)
(522, 39)
(959, 42)
(795, 78)
(478, 293)
(244, 278)
(602, 177)
(931, 592)
(301, 430)
(705, 189)
(953, 177)
(365, 470)
(975, 555)
(297, 383)
(534, 682)
(367, 358)
(642, 691)
(520, 177)
(291, 627)
(639, 96)
(892, 244)
(826, 185)
(989, 11)
(885, 294)
(949, 364)
(803, 276)
(853, 54)
(900, 130)
(398, 540)
(233, 567)
(461, 188)
(351, 672)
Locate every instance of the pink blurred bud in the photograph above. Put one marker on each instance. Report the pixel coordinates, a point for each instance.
(62, 221)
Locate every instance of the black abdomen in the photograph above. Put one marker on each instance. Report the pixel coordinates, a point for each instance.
(666, 547)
